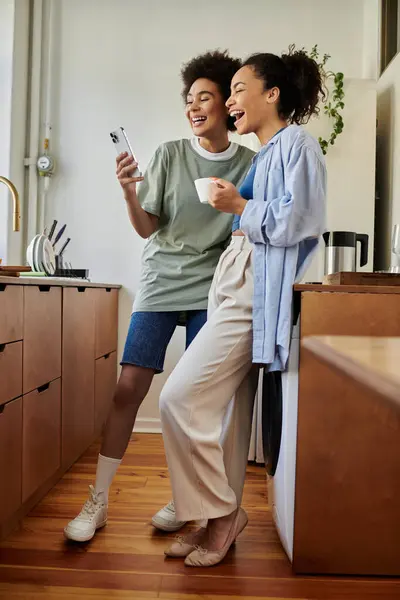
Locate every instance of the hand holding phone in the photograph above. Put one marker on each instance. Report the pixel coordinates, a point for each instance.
(128, 171)
(122, 145)
(125, 167)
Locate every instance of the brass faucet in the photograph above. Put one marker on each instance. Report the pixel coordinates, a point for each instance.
(13, 190)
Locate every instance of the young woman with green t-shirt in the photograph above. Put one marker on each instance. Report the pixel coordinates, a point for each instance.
(185, 240)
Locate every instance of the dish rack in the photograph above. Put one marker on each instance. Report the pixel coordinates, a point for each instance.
(43, 258)
(66, 270)
(72, 273)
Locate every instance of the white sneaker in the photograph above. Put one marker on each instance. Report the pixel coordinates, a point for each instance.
(165, 519)
(92, 516)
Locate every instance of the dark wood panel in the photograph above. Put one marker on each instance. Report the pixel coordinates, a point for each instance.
(351, 289)
(41, 437)
(11, 313)
(42, 336)
(105, 381)
(347, 517)
(10, 371)
(78, 372)
(350, 314)
(125, 560)
(10, 458)
(106, 321)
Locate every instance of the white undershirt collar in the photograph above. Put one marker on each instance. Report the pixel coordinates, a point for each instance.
(216, 156)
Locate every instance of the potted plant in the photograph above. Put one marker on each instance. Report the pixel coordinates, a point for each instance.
(333, 104)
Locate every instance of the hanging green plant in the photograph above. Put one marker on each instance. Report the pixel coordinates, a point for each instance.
(334, 102)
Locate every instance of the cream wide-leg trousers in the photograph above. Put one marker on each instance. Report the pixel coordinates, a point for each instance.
(206, 432)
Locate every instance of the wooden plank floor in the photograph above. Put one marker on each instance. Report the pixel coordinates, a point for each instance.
(125, 560)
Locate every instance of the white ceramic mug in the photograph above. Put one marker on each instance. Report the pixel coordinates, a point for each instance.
(203, 188)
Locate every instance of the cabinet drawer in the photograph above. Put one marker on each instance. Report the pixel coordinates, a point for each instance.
(11, 313)
(41, 438)
(324, 313)
(42, 336)
(106, 321)
(77, 372)
(10, 458)
(106, 379)
(10, 371)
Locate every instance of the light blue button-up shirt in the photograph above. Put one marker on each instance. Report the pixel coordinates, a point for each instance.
(283, 221)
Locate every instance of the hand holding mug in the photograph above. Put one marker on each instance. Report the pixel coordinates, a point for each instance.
(224, 197)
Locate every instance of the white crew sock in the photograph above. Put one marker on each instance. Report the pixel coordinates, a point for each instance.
(106, 469)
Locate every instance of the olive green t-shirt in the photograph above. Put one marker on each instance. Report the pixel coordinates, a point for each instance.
(179, 259)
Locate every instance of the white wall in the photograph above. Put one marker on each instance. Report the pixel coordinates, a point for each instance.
(117, 63)
(6, 62)
(14, 35)
(371, 39)
(388, 158)
(351, 169)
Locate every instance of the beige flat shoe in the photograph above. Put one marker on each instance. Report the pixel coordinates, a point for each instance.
(185, 544)
(201, 557)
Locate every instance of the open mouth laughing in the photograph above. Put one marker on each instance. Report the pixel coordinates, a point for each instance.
(198, 121)
(237, 115)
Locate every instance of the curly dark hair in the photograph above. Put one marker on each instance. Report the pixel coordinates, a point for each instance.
(298, 78)
(216, 66)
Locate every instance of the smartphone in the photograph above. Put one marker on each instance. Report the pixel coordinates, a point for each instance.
(121, 142)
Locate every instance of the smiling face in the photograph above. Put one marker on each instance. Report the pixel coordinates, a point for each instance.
(206, 110)
(250, 103)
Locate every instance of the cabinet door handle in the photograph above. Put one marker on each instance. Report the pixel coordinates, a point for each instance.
(44, 288)
(43, 388)
(107, 355)
(2, 348)
(81, 289)
(2, 287)
(108, 290)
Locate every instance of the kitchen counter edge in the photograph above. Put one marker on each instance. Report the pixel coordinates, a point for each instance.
(55, 282)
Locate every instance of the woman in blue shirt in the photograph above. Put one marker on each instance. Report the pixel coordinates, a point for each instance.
(280, 213)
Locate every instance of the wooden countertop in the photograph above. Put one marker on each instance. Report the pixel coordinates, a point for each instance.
(347, 289)
(56, 281)
(372, 361)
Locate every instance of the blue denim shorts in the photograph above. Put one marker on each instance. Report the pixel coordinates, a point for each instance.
(150, 333)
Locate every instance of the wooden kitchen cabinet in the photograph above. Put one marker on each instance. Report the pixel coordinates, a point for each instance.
(10, 458)
(42, 336)
(348, 488)
(41, 438)
(10, 371)
(344, 439)
(58, 367)
(350, 314)
(11, 313)
(106, 321)
(105, 381)
(78, 368)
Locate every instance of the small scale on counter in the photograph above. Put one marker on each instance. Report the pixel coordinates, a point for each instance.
(362, 278)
